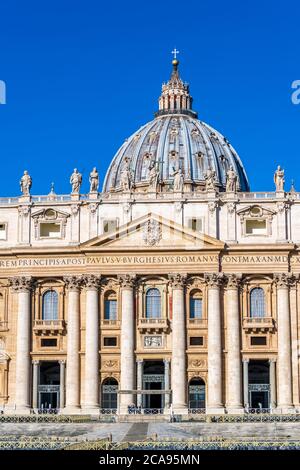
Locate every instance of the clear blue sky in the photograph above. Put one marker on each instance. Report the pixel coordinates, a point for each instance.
(82, 76)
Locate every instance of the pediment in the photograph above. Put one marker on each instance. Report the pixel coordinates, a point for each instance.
(153, 232)
(50, 214)
(254, 210)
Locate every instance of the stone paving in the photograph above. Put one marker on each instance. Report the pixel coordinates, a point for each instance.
(139, 431)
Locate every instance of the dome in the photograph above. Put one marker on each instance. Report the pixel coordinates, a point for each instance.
(175, 139)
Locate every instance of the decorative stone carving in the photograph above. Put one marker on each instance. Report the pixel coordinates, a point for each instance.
(153, 341)
(197, 364)
(110, 364)
(178, 206)
(231, 207)
(126, 207)
(233, 281)
(73, 283)
(283, 280)
(94, 180)
(281, 207)
(75, 181)
(75, 209)
(178, 180)
(26, 183)
(92, 207)
(127, 280)
(212, 206)
(24, 210)
(279, 179)
(214, 279)
(152, 232)
(50, 215)
(210, 180)
(231, 180)
(177, 281)
(22, 283)
(153, 177)
(91, 282)
(125, 179)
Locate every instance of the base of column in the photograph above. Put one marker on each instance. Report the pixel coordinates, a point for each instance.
(215, 410)
(90, 410)
(235, 410)
(19, 410)
(285, 410)
(179, 410)
(71, 410)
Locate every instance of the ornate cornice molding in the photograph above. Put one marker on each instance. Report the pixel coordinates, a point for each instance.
(284, 280)
(127, 281)
(177, 281)
(73, 283)
(214, 279)
(22, 283)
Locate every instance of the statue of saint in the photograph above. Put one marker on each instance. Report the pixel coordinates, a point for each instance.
(153, 177)
(26, 183)
(178, 180)
(210, 180)
(94, 180)
(125, 179)
(75, 181)
(231, 180)
(279, 179)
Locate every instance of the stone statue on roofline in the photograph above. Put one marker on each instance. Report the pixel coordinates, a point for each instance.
(231, 180)
(153, 177)
(75, 181)
(125, 180)
(178, 180)
(26, 183)
(279, 179)
(94, 180)
(210, 180)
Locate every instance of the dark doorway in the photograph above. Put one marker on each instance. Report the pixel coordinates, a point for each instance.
(196, 393)
(49, 385)
(259, 384)
(109, 399)
(153, 379)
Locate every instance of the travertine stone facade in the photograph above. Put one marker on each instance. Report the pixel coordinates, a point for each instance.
(153, 295)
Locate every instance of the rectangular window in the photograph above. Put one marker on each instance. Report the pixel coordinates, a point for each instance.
(195, 223)
(110, 309)
(195, 308)
(196, 341)
(50, 230)
(110, 225)
(256, 227)
(258, 340)
(2, 231)
(110, 341)
(48, 343)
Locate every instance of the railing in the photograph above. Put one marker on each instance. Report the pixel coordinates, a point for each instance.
(258, 411)
(115, 323)
(108, 411)
(49, 325)
(197, 322)
(153, 324)
(258, 322)
(197, 411)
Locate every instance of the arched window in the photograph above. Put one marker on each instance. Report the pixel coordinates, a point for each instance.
(50, 305)
(257, 303)
(153, 303)
(196, 305)
(109, 398)
(196, 393)
(110, 306)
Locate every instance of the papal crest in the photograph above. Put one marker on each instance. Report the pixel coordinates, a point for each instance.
(152, 232)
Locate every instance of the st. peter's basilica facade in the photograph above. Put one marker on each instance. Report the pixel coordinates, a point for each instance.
(175, 290)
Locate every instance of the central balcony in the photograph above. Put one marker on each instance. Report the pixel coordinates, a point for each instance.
(156, 325)
(256, 324)
(49, 327)
(196, 323)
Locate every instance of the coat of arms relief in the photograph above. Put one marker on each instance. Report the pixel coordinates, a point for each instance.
(152, 232)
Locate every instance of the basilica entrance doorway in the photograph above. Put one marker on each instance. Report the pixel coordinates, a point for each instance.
(153, 379)
(259, 385)
(49, 386)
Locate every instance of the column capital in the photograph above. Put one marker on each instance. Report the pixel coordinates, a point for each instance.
(73, 283)
(273, 359)
(214, 279)
(233, 281)
(177, 281)
(91, 282)
(35, 362)
(245, 360)
(127, 281)
(283, 280)
(62, 362)
(22, 283)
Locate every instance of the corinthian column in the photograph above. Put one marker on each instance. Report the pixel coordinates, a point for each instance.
(22, 286)
(214, 345)
(73, 284)
(234, 370)
(91, 381)
(127, 341)
(284, 362)
(178, 366)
